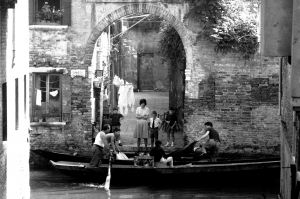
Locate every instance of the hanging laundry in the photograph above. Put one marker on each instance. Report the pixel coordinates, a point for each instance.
(54, 93)
(38, 97)
(126, 98)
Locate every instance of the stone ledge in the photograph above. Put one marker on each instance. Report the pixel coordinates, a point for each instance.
(33, 124)
(47, 27)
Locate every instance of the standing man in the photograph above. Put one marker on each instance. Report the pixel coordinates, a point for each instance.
(212, 144)
(97, 149)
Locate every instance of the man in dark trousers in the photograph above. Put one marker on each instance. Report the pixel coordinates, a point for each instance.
(212, 144)
(98, 146)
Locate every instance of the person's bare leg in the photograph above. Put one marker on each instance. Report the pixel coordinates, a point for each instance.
(138, 144)
(168, 136)
(146, 143)
(173, 138)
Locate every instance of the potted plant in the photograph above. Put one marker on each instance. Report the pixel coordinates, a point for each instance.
(48, 15)
(52, 114)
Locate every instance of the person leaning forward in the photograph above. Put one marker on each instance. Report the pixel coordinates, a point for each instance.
(212, 144)
(98, 146)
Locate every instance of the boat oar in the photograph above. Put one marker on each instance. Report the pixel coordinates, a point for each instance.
(108, 177)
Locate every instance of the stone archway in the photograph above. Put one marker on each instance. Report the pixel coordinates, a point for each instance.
(141, 8)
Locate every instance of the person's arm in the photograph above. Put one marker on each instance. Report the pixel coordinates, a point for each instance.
(117, 149)
(137, 114)
(121, 117)
(113, 146)
(203, 136)
(159, 124)
(146, 115)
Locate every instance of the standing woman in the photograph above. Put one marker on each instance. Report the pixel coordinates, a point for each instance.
(142, 128)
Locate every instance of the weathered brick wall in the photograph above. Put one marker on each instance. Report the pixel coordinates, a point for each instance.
(240, 98)
(54, 47)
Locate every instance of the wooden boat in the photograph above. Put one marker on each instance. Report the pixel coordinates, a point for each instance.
(62, 156)
(127, 167)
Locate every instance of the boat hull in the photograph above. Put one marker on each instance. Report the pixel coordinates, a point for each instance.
(80, 169)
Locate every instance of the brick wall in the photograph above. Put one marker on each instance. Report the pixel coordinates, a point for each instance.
(55, 48)
(240, 98)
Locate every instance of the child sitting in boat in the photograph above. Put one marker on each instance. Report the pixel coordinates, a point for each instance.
(112, 139)
(159, 154)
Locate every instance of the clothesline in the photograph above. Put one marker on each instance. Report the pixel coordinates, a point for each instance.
(46, 81)
(56, 89)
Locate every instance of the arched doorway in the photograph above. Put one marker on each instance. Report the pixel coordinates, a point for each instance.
(140, 9)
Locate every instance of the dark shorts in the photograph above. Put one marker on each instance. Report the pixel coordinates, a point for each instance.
(154, 133)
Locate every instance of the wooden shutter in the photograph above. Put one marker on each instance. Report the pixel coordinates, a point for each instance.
(31, 11)
(4, 111)
(66, 97)
(66, 5)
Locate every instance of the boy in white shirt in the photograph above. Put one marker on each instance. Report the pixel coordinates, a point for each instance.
(155, 125)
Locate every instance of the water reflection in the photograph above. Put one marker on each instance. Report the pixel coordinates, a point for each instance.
(52, 184)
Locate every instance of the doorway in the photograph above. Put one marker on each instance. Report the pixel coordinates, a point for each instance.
(145, 71)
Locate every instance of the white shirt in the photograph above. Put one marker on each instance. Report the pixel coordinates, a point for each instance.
(142, 112)
(99, 139)
(156, 122)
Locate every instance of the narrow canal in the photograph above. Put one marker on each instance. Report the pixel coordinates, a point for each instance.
(51, 184)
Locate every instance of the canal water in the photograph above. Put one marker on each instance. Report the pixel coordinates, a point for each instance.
(51, 184)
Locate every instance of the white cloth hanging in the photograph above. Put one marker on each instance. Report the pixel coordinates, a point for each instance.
(54, 93)
(38, 97)
(130, 98)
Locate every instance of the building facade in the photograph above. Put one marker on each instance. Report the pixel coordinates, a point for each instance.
(14, 106)
(239, 97)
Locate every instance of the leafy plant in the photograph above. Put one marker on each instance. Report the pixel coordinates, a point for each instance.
(49, 13)
(170, 45)
(230, 24)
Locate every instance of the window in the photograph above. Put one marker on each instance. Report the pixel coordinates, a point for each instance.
(4, 111)
(17, 103)
(47, 101)
(36, 5)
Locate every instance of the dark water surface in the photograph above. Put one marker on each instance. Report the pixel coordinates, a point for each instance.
(52, 184)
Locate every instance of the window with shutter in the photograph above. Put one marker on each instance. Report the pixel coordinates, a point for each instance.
(55, 6)
(46, 103)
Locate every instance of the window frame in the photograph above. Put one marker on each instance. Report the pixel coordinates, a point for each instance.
(65, 20)
(33, 103)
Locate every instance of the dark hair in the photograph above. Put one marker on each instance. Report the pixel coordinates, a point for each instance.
(158, 142)
(171, 109)
(143, 101)
(116, 130)
(154, 112)
(208, 124)
(115, 108)
(105, 127)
